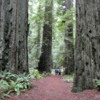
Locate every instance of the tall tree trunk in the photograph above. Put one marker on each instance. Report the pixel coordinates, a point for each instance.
(69, 50)
(39, 31)
(69, 42)
(15, 31)
(39, 41)
(87, 56)
(45, 62)
(1, 36)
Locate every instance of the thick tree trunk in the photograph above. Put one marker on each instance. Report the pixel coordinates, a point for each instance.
(87, 56)
(39, 41)
(15, 31)
(0, 34)
(69, 50)
(69, 42)
(45, 62)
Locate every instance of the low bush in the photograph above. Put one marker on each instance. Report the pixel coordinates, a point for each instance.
(97, 84)
(35, 74)
(13, 84)
(68, 78)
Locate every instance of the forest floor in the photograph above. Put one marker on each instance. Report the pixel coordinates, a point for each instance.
(55, 88)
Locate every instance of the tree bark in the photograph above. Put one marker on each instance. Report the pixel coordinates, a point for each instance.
(69, 51)
(87, 56)
(15, 31)
(69, 42)
(45, 63)
(39, 31)
(0, 34)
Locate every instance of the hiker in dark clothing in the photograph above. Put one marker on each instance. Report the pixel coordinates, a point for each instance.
(58, 71)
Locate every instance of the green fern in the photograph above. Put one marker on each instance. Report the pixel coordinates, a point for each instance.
(97, 84)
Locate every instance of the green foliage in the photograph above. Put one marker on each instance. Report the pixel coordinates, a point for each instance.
(36, 21)
(97, 84)
(16, 84)
(33, 57)
(66, 19)
(68, 78)
(13, 84)
(35, 74)
(61, 19)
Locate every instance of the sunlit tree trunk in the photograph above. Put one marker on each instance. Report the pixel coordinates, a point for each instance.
(39, 41)
(39, 30)
(15, 31)
(45, 62)
(87, 56)
(69, 42)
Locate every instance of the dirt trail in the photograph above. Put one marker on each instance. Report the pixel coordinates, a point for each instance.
(55, 88)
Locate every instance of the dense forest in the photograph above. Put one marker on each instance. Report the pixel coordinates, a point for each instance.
(39, 36)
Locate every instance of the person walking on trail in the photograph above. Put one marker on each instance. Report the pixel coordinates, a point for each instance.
(57, 71)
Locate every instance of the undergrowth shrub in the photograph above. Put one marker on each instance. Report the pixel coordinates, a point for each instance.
(12, 84)
(35, 74)
(97, 84)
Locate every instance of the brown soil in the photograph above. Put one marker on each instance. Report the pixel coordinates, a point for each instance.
(55, 88)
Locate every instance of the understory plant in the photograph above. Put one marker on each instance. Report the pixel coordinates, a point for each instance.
(35, 74)
(97, 84)
(12, 84)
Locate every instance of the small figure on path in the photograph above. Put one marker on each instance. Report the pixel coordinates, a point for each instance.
(57, 71)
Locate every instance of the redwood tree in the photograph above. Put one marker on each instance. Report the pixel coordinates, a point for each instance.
(14, 29)
(87, 55)
(45, 62)
(69, 42)
(39, 30)
(0, 33)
